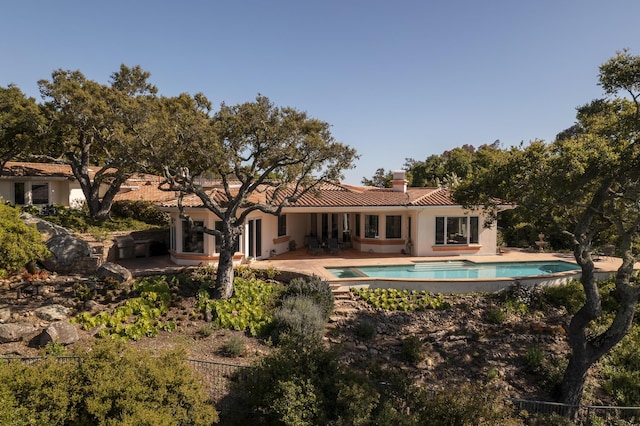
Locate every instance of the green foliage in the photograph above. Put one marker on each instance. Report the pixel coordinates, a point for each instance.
(548, 369)
(465, 404)
(495, 315)
(400, 300)
(80, 220)
(149, 391)
(137, 317)
(144, 211)
(412, 350)
(234, 347)
(570, 296)
(621, 370)
(19, 244)
(249, 309)
(519, 299)
(314, 288)
(299, 320)
(365, 329)
(111, 384)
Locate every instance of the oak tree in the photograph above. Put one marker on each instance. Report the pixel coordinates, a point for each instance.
(587, 183)
(92, 128)
(20, 124)
(262, 157)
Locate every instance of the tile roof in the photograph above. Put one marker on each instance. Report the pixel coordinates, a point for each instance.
(145, 187)
(20, 169)
(341, 195)
(137, 187)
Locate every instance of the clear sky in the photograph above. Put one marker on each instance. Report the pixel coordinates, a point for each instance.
(395, 79)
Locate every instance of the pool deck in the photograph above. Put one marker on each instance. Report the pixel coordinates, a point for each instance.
(303, 262)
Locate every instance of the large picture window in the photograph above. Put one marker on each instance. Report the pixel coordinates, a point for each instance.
(457, 230)
(393, 227)
(193, 237)
(39, 193)
(370, 226)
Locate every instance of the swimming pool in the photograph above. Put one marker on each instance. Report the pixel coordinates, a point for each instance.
(451, 270)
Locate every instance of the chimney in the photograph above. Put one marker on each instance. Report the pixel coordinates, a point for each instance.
(399, 182)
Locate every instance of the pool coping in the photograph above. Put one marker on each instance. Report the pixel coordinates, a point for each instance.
(312, 265)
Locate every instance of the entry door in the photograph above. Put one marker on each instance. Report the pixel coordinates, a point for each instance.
(255, 238)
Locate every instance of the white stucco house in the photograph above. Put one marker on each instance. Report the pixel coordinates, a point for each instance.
(415, 221)
(43, 184)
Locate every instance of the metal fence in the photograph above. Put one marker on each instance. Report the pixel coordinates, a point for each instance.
(218, 376)
(582, 414)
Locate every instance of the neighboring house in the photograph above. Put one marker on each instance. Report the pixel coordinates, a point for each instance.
(415, 221)
(42, 184)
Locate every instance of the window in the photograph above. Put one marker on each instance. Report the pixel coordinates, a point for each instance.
(282, 225)
(193, 239)
(18, 193)
(393, 227)
(370, 226)
(358, 225)
(39, 193)
(457, 230)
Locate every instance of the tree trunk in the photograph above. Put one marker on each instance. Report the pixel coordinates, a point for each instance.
(225, 274)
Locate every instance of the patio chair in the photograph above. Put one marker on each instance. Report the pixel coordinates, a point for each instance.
(314, 247)
(334, 247)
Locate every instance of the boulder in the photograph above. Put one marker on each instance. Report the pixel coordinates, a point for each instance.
(52, 313)
(16, 331)
(46, 229)
(5, 315)
(62, 332)
(66, 250)
(111, 270)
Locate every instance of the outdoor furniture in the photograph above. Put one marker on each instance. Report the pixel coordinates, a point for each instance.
(334, 247)
(314, 246)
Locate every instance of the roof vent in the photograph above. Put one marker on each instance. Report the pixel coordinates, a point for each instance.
(399, 182)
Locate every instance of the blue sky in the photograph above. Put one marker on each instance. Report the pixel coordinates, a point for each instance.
(395, 79)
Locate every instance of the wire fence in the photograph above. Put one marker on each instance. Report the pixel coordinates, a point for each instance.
(218, 377)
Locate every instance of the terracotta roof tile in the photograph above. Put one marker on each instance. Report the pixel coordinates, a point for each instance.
(338, 195)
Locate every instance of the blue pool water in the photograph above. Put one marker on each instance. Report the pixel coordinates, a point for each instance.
(452, 270)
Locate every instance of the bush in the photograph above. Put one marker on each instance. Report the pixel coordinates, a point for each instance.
(365, 329)
(20, 244)
(144, 211)
(299, 320)
(234, 346)
(112, 385)
(412, 350)
(314, 288)
(465, 404)
(570, 296)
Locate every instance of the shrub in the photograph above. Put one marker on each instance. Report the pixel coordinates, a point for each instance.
(249, 309)
(534, 359)
(299, 320)
(161, 390)
(465, 404)
(412, 350)
(570, 295)
(495, 316)
(314, 288)
(234, 346)
(365, 329)
(144, 211)
(20, 243)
